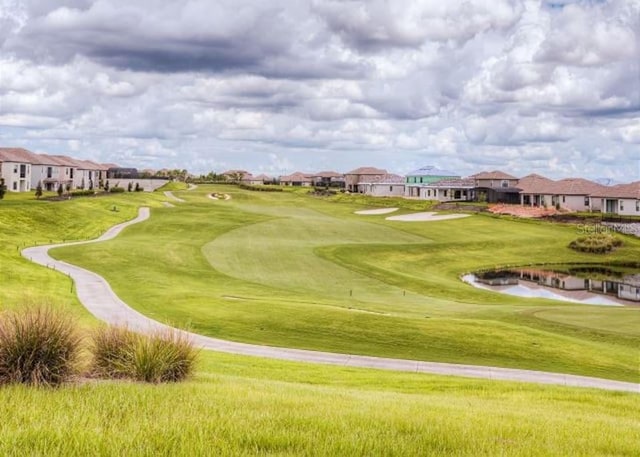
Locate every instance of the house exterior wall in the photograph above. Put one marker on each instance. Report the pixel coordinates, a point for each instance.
(383, 190)
(496, 182)
(575, 202)
(17, 176)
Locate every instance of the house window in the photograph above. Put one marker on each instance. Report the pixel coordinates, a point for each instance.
(505, 184)
(586, 201)
(15, 169)
(564, 199)
(445, 193)
(71, 173)
(390, 188)
(637, 206)
(15, 185)
(49, 172)
(621, 205)
(23, 171)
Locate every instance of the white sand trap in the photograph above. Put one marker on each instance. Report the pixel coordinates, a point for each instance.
(371, 212)
(425, 217)
(169, 205)
(213, 197)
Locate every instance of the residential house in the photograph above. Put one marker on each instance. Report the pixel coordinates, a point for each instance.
(50, 172)
(449, 190)
(296, 179)
(354, 177)
(623, 199)
(536, 190)
(328, 179)
(496, 187)
(15, 168)
(424, 176)
(68, 170)
(256, 180)
(574, 194)
(389, 185)
(235, 175)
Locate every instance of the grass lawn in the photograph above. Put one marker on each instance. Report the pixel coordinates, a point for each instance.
(250, 406)
(286, 269)
(246, 406)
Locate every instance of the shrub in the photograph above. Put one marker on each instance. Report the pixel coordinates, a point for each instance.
(164, 356)
(117, 190)
(597, 243)
(82, 193)
(38, 347)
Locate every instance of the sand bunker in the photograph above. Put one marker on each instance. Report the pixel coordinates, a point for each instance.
(371, 212)
(219, 196)
(425, 217)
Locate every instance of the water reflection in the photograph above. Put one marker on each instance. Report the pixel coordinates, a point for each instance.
(588, 284)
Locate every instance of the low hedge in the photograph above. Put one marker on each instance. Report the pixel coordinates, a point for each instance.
(117, 190)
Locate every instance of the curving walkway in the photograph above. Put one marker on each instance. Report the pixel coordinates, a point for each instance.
(169, 194)
(97, 296)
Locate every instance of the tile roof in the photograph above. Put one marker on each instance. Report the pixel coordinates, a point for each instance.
(19, 155)
(327, 174)
(631, 191)
(431, 170)
(295, 177)
(536, 184)
(367, 171)
(576, 186)
(262, 177)
(495, 174)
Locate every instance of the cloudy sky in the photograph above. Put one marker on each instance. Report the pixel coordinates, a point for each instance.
(546, 86)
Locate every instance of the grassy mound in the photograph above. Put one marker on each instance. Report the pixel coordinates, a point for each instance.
(162, 357)
(597, 243)
(38, 347)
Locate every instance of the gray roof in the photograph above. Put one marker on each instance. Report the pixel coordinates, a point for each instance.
(431, 170)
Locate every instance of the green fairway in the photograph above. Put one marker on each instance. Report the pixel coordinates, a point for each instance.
(286, 269)
(247, 406)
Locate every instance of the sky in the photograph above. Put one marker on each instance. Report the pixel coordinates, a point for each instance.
(524, 86)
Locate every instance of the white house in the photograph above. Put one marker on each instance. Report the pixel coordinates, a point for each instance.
(623, 199)
(448, 190)
(575, 194)
(388, 185)
(15, 168)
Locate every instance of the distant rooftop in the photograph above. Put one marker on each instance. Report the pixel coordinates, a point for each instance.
(431, 170)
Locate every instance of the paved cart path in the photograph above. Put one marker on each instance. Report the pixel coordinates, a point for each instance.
(97, 296)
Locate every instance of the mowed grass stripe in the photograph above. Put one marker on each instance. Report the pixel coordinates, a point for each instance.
(439, 319)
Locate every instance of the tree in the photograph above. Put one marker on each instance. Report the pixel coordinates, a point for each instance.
(138, 188)
(3, 188)
(106, 186)
(68, 187)
(60, 190)
(130, 187)
(39, 190)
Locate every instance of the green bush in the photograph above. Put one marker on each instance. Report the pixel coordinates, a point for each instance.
(38, 347)
(117, 190)
(160, 357)
(597, 243)
(82, 193)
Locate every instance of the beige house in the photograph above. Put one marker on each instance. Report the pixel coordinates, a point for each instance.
(574, 194)
(327, 179)
(296, 179)
(355, 177)
(15, 168)
(623, 199)
(389, 185)
(536, 190)
(51, 172)
(496, 187)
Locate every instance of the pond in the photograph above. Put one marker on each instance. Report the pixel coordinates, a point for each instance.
(590, 284)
